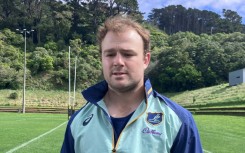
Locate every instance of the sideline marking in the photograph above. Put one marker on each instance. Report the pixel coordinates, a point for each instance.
(26, 143)
(206, 151)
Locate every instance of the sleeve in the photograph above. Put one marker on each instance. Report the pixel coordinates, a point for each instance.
(187, 139)
(68, 143)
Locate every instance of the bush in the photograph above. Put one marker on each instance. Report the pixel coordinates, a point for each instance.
(13, 95)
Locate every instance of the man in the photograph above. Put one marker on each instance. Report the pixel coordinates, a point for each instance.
(123, 113)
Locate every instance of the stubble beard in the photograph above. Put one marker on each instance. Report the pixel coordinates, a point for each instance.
(131, 85)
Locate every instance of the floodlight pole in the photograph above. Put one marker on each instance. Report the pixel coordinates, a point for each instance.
(69, 81)
(24, 78)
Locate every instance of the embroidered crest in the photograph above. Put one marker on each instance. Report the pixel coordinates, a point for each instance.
(154, 118)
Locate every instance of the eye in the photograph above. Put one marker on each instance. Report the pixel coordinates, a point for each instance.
(128, 55)
(110, 54)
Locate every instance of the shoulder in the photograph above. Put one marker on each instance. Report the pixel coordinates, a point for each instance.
(81, 114)
(183, 114)
(187, 139)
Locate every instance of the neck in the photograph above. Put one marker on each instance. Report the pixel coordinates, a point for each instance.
(122, 104)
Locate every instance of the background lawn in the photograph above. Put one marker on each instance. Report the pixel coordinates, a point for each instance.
(50, 143)
(19, 128)
(222, 134)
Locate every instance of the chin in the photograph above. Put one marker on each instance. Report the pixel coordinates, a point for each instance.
(123, 87)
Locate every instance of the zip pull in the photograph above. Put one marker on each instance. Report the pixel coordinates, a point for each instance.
(114, 150)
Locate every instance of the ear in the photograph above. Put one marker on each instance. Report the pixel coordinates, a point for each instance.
(147, 59)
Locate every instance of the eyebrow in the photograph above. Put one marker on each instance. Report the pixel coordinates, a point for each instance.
(113, 50)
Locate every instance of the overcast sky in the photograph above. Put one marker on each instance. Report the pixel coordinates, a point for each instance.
(211, 5)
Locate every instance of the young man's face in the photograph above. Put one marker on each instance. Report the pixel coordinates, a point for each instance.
(123, 60)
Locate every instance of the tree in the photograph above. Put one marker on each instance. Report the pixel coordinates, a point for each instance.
(234, 50)
(40, 61)
(232, 22)
(9, 14)
(88, 66)
(174, 61)
(176, 18)
(11, 38)
(187, 78)
(159, 40)
(208, 56)
(10, 78)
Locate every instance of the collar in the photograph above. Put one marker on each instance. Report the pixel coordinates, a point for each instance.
(96, 92)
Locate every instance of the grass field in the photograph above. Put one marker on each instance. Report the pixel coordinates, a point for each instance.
(17, 129)
(219, 134)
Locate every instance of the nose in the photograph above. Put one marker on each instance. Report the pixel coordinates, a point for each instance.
(118, 60)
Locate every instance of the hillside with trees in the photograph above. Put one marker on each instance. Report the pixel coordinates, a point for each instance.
(190, 48)
(172, 19)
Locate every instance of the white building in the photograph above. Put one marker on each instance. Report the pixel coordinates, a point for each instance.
(237, 77)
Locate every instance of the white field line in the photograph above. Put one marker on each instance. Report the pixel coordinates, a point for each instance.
(206, 151)
(26, 143)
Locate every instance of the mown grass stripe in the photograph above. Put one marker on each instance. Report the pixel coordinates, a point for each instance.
(206, 151)
(34, 139)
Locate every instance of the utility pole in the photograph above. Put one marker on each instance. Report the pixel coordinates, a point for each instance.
(24, 31)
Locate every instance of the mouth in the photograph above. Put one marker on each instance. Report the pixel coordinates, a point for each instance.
(118, 73)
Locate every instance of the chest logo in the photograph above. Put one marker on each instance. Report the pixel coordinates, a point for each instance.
(87, 120)
(154, 118)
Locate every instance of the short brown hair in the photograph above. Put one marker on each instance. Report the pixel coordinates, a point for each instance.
(120, 24)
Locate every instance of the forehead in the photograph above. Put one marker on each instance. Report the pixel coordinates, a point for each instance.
(129, 39)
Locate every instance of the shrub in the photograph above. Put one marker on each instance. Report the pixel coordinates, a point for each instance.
(13, 95)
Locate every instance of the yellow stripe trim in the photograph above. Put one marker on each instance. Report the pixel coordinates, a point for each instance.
(149, 91)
